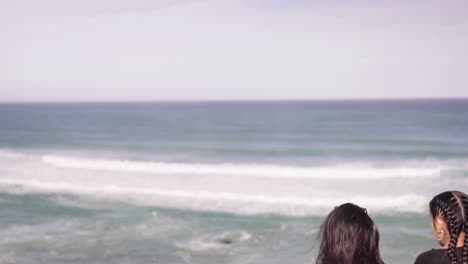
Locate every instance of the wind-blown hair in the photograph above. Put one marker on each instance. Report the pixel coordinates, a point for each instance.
(452, 206)
(349, 236)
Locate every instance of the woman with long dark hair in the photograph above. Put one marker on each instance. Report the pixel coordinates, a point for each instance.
(449, 213)
(349, 236)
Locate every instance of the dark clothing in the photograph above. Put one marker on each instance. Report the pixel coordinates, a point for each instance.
(438, 256)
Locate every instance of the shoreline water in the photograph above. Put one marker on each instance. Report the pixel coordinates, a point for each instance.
(222, 182)
(102, 228)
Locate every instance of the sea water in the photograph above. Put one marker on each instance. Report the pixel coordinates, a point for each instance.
(220, 182)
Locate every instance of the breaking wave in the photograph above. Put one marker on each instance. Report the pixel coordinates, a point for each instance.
(348, 172)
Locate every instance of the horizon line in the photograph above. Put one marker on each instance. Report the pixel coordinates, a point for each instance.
(253, 100)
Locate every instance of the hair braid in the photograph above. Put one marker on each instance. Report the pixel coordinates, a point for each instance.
(462, 200)
(465, 244)
(448, 216)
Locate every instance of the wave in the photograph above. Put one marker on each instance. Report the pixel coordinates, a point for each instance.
(236, 203)
(7, 154)
(233, 188)
(349, 172)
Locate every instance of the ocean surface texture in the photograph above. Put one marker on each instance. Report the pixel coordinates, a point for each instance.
(230, 182)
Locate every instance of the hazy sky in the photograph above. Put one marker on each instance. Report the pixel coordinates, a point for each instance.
(235, 49)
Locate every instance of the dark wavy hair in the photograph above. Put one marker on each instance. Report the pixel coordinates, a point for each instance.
(452, 206)
(349, 236)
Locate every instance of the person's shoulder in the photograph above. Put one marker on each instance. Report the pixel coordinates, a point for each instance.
(430, 256)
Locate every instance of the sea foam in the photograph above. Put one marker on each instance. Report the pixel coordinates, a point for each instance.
(357, 172)
(232, 188)
(236, 203)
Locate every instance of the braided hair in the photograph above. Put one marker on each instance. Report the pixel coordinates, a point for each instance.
(452, 206)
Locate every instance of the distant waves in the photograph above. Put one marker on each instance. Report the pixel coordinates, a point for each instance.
(232, 188)
(346, 172)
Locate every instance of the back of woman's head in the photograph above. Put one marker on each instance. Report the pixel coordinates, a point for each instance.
(349, 236)
(452, 206)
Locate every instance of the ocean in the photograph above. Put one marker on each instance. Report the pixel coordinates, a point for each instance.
(220, 182)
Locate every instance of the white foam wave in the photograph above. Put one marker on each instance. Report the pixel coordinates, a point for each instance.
(7, 154)
(349, 172)
(233, 188)
(237, 203)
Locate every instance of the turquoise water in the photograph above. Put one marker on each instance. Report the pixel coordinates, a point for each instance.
(230, 182)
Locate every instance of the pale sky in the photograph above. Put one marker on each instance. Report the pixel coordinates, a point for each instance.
(125, 50)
